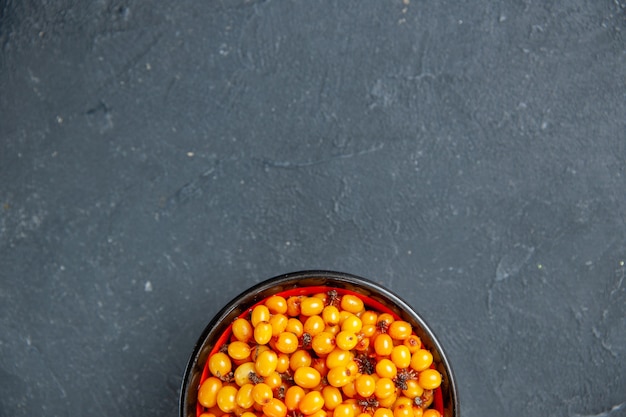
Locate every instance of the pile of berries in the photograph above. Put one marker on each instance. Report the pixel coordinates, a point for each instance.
(322, 355)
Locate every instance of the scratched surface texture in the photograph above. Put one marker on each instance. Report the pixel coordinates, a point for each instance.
(156, 158)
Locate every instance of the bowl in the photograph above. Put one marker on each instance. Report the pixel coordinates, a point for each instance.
(309, 283)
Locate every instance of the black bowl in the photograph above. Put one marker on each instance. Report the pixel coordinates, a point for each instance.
(308, 282)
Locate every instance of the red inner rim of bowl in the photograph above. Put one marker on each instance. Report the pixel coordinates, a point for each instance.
(371, 303)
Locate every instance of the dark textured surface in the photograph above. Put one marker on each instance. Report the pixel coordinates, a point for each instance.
(156, 158)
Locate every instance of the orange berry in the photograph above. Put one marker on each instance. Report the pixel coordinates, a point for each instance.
(275, 408)
(242, 330)
(306, 377)
(323, 343)
(262, 393)
(293, 306)
(332, 397)
(386, 369)
(346, 340)
(244, 396)
(330, 314)
(383, 344)
(365, 385)
(314, 325)
(311, 403)
(401, 356)
(276, 304)
(311, 306)
(259, 313)
(295, 326)
(400, 329)
(220, 364)
(429, 379)
(352, 303)
(421, 359)
(207, 394)
(266, 363)
(413, 342)
(293, 396)
(263, 333)
(431, 412)
(226, 398)
(343, 410)
(287, 342)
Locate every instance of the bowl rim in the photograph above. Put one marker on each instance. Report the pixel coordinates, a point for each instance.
(252, 294)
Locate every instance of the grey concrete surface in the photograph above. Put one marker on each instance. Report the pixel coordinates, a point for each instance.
(157, 158)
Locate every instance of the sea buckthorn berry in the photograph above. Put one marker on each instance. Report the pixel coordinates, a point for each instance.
(257, 350)
(299, 359)
(321, 413)
(266, 363)
(384, 321)
(343, 314)
(278, 323)
(429, 379)
(346, 340)
(276, 304)
(311, 403)
(273, 380)
(421, 359)
(207, 394)
(242, 373)
(226, 398)
(431, 412)
(262, 393)
(349, 390)
(368, 317)
(418, 412)
(293, 306)
(263, 333)
(332, 397)
(386, 369)
(287, 342)
(365, 385)
(363, 344)
(383, 412)
(368, 330)
(402, 400)
(314, 325)
(413, 389)
(293, 396)
(389, 401)
(242, 330)
(311, 306)
(332, 329)
(339, 376)
(338, 357)
(306, 377)
(238, 350)
(413, 342)
(401, 356)
(384, 388)
(207, 415)
(352, 303)
(275, 408)
(322, 296)
(343, 410)
(295, 326)
(220, 364)
(323, 343)
(259, 313)
(403, 410)
(319, 364)
(244, 396)
(283, 363)
(330, 314)
(351, 324)
(383, 344)
(400, 329)
(353, 367)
